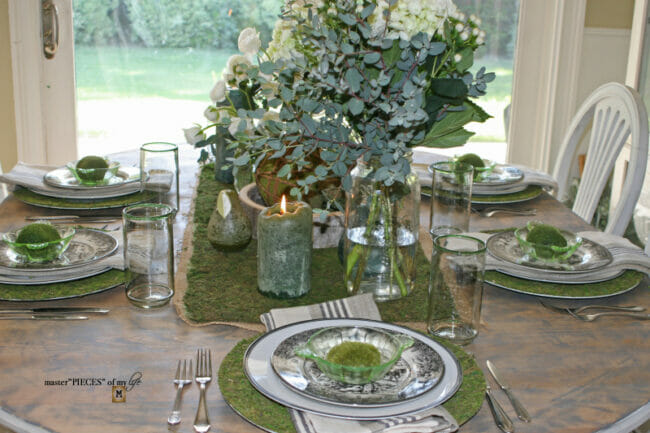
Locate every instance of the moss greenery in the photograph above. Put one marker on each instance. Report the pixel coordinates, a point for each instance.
(37, 233)
(546, 234)
(259, 410)
(69, 289)
(92, 168)
(354, 354)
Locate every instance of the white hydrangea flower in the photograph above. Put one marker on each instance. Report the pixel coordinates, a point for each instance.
(408, 18)
(249, 41)
(475, 31)
(237, 67)
(464, 36)
(218, 92)
(459, 27)
(193, 134)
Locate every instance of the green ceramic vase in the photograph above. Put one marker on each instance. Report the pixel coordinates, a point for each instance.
(229, 228)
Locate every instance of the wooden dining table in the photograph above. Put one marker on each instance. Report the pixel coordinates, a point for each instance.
(57, 376)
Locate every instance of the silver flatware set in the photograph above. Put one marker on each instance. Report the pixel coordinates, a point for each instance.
(501, 418)
(51, 313)
(580, 313)
(202, 376)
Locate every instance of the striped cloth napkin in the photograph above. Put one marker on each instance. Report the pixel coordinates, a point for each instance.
(625, 255)
(434, 420)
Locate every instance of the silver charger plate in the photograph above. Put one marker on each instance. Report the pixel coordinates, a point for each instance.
(418, 370)
(589, 256)
(51, 278)
(86, 246)
(260, 373)
(62, 177)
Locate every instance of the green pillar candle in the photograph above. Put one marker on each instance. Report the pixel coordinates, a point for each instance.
(284, 243)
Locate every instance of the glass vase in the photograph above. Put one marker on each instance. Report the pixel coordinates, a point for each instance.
(381, 234)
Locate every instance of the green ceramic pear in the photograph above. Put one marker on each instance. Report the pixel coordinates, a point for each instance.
(229, 228)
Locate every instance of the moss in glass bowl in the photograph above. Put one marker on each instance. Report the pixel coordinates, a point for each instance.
(94, 170)
(389, 347)
(39, 242)
(482, 167)
(547, 243)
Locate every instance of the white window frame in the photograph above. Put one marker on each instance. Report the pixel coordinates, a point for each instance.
(44, 90)
(546, 70)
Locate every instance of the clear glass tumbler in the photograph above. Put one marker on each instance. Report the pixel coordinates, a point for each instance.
(451, 197)
(456, 287)
(149, 254)
(159, 173)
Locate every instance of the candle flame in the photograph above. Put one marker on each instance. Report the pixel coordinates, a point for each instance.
(283, 205)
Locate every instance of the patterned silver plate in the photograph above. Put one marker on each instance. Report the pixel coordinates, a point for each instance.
(258, 369)
(62, 177)
(86, 246)
(419, 369)
(588, 257)
(51, 278)
(502, 175)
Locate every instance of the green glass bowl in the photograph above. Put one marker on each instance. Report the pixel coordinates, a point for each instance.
(547, 253)
(482, 174)
(390, 348)
(94, 176)
(40, 252)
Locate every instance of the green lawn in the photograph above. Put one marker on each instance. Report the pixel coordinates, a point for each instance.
(105, 73)
(136, 72)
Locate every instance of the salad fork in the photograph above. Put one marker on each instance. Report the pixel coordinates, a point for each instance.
(633, 308)
(181, 379)
(203, 377)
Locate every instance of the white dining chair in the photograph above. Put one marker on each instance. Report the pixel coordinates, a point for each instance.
(3, 188)
(616, 113)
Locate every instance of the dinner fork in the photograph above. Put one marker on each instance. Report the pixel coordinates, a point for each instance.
(203, 376)
(181, 379)
(489, 211)
(594, 316)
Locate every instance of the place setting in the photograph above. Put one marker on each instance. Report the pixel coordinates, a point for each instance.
(44, 261)
(542, 260)
(491, 183)
(338, 372)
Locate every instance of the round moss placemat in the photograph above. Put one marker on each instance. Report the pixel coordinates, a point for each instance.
(271, 416)
(623, 283)
(30, 197)
(64, 290)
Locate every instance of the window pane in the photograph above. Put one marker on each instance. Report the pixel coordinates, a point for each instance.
(144, 68)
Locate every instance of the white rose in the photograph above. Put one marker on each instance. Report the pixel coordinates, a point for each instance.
(218, 92)
(249, 41)
(234, 125)
(237, 66)
(193, 134)
(211, 113)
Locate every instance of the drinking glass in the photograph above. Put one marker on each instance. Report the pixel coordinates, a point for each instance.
(456, 287)
(149, 254)
(451, 197)
(159, 173)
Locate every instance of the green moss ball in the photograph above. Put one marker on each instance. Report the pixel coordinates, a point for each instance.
(354, 354)
(545, 234)
(96, 163)
(472, 159)
(37, 233)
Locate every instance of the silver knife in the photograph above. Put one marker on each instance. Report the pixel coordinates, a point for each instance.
(500, 417)
(44, 317)
(61, 219)
(55, 310)
(521, 411)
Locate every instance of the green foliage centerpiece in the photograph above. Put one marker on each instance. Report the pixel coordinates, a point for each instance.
(355, 82)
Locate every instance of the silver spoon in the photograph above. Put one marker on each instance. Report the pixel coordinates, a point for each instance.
(594, 316)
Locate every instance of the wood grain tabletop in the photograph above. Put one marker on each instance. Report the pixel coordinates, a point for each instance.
(574, 377)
